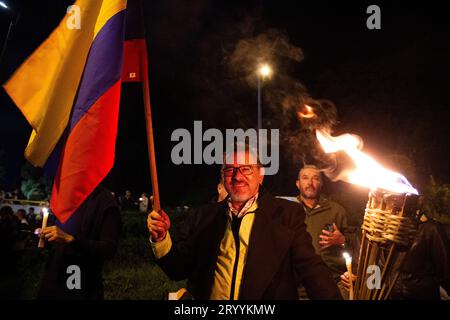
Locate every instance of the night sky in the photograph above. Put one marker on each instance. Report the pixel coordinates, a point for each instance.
(390, 86)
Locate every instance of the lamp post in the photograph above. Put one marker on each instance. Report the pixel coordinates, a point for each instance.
(264, 71)
(12, 22)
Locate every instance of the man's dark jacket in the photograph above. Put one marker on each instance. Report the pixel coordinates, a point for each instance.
(279, 257)
(426, 265)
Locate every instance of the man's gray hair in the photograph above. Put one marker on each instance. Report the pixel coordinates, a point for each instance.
(228, 155)
(310, 166)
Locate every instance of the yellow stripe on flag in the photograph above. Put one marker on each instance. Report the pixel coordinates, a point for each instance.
(109, 8)
(45, 85)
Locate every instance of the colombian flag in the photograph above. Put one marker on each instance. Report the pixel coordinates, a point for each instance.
(69, 91)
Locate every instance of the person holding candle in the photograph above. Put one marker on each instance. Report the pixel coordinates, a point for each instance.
(86, 241)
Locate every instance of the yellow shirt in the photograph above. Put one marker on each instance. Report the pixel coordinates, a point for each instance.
(227, 255)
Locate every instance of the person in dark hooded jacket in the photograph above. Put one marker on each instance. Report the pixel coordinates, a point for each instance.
(82, 244)
(426, 265)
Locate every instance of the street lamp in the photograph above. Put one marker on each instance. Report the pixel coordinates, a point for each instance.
(264, 71)
(12, 22)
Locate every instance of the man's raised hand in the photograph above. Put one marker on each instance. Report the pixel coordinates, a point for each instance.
(158, 223)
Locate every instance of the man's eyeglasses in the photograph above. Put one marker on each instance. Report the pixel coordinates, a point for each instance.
(244, 170)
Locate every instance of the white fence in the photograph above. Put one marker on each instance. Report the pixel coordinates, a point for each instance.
(16, 204)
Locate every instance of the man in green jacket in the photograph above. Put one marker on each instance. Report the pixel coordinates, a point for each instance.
(326, 222)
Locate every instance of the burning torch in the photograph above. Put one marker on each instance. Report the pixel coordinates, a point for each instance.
(390, 219)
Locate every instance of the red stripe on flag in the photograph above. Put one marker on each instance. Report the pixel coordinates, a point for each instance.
(134, 54)
(88, 155)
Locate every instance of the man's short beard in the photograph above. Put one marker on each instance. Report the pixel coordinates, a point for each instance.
(238, 198)
(316, 195)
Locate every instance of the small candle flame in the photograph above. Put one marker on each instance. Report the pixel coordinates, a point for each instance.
(348, 258)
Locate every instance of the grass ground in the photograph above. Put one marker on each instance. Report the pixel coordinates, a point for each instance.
(132, 274)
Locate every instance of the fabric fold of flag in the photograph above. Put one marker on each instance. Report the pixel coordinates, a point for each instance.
(88, 154)
(45, 85)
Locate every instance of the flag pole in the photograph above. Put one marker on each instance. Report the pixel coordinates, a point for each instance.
(150, 140)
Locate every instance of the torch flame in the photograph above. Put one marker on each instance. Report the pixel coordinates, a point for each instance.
(307, 113)
(368, 172)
